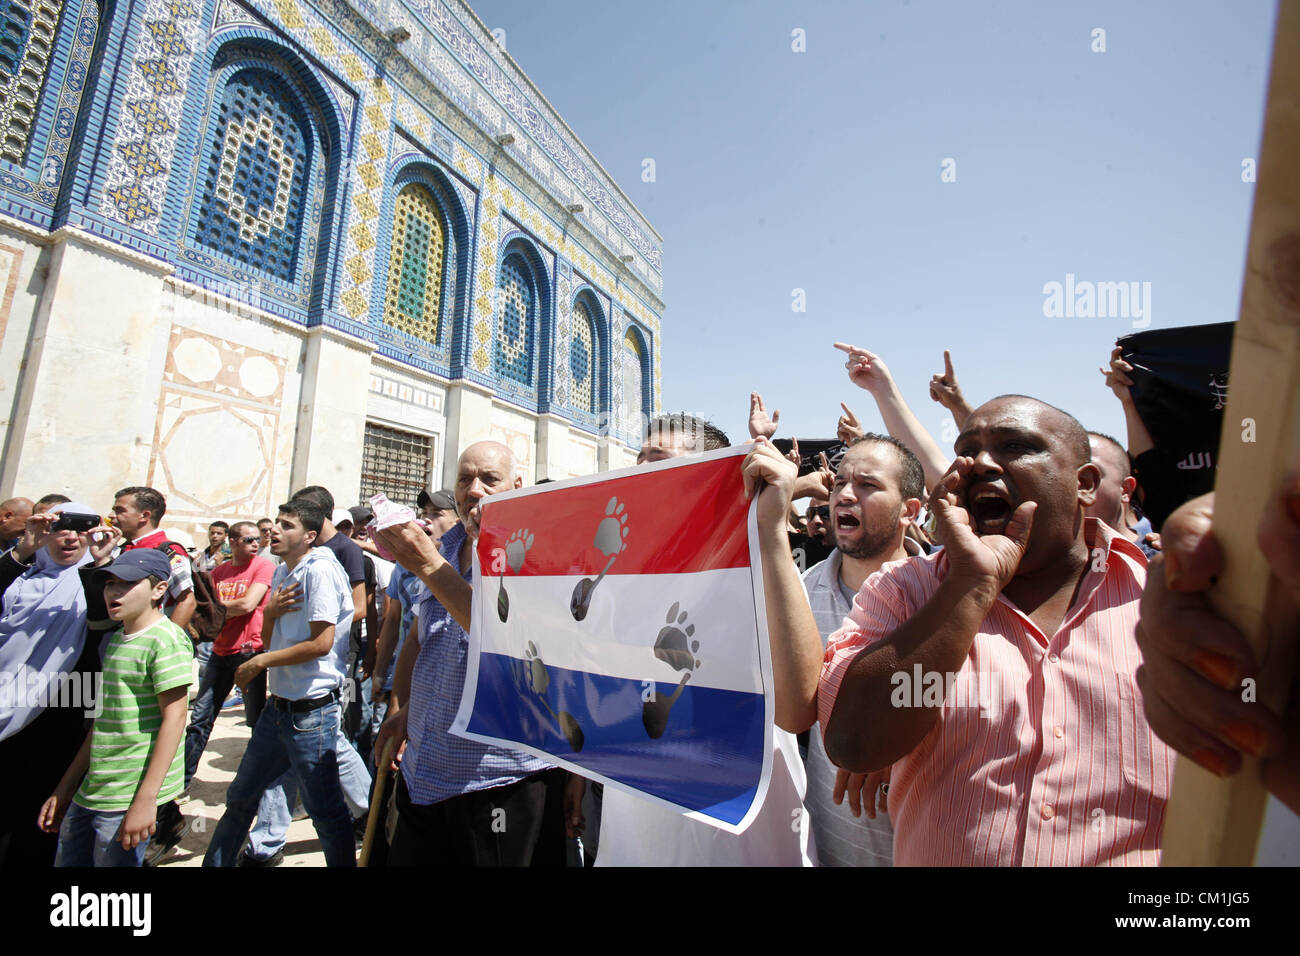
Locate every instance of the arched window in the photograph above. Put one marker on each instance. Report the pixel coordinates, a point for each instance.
(633, 410)
(257, 175)
(415, 264)
(26, 45)
(582, 358)
(512, 356)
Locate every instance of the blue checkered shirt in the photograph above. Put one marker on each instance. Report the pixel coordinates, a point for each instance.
(438, 765)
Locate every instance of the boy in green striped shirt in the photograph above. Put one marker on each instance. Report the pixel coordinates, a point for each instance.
(131, 761)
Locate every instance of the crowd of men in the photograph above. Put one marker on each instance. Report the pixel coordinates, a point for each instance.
(982, 658)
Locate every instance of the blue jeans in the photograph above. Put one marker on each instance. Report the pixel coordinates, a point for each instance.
(218, 677)
(89, 838)
(306, 742)
(202, 653)
(275, 811)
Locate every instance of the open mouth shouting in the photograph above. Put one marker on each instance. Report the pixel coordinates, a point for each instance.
(846, 522)
(990, 508)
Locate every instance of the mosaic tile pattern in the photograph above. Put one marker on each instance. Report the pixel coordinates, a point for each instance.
(416, 259)
(251, 210)
(150, 119)
(512, 357)
(582, 353)
(27, 31)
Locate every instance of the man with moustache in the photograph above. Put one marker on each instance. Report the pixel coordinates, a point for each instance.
(1060, 767)
(877, 493)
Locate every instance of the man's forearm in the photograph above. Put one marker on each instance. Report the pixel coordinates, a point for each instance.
(452, 591)
(184, 610)
(405, 666)
(388, 634)
(903, 425)
(318, 645)
(1139, 439)
(866, 731)
(793, 636)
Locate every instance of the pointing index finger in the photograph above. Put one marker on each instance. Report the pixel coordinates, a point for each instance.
(947, 365)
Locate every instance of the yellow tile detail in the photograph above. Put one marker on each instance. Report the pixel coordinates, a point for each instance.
(369, 175)
(354, 302)
(358, 269)
(361, 236)
(324, 41)
(289, 14)
(480, 359)
(378, 118)
(373, 146)
(366, 206)
(352, 66)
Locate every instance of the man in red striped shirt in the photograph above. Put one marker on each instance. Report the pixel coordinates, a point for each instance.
(998, 676)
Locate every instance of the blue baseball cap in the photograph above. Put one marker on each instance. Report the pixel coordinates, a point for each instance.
(138, 564)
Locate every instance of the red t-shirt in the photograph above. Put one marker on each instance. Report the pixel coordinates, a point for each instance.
(231, 582)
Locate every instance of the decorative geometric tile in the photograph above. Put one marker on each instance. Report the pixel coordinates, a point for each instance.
(27, 33)
(150, 116)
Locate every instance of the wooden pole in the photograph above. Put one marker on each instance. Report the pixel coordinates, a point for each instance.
(376, 801)
(1210, 821)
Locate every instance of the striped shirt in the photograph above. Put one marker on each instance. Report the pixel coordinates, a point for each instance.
(1041, 755)
(137, 668)
(438, 765)
(842, 838)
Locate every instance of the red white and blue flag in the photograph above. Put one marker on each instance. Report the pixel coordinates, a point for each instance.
(619, 631)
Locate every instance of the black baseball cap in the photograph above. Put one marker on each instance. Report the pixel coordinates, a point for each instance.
(138, 564)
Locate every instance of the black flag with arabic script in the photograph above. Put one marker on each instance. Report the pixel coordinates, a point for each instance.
(1180, 388)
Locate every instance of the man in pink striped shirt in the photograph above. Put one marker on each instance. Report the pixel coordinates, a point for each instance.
(997, 677)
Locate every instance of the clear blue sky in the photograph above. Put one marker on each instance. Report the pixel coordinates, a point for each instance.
(821, 170)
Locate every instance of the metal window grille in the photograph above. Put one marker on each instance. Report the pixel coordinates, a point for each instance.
(395, 463)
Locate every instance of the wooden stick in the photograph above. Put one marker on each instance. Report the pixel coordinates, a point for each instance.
(1210, 821)
(376, 800)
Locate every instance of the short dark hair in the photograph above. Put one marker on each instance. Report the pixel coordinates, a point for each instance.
(50, 500)
(260, 522)
(319, 496)
(306, 511)
(690, 425)
(234, 528)
(1123, 454)
(911, 476)
(146, 499)
(219, 524)
(1074, 433)
(153, 583)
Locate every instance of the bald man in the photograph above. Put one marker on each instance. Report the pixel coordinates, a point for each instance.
(13, 519)
(462, 803)
(997, 677)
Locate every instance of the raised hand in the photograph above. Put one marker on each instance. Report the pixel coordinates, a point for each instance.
(848, 429)
(793, 454)
(102, 540)
(34, 535)
(866, 369)
(767, 473)
(410, 546)
(944, 388)
(817, 484)
(989, 559)
(760, 426)
(1117, 376)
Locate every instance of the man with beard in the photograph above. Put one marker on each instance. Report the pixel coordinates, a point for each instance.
(877, 494)
(1030, 609)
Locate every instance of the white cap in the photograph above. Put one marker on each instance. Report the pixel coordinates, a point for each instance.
(341, 516)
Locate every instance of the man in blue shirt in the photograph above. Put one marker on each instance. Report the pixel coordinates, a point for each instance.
(299, 726)
(459, 802)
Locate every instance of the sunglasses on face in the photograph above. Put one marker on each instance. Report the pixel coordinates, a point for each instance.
(251, 540)
(821, 511)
